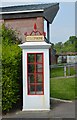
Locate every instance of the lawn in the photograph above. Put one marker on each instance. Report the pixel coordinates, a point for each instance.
(58, 72)
(63, 88)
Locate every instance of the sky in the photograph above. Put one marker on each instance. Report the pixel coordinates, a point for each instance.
(63, 25)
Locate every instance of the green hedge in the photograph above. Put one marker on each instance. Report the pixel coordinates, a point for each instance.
(11, 61)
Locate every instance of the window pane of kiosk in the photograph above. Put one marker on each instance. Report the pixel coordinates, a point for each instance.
(39, 58)
(32, 89)
(31, 68)
(39, 89)
(39, 78)
(31, 78)
(39, 68)
(31, 58)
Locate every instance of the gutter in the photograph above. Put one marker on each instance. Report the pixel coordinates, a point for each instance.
(25, 11)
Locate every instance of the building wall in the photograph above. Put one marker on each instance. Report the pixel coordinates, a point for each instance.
(62, 59)
(25, 25)
(72, 59)
(67, 59)
(53, 57)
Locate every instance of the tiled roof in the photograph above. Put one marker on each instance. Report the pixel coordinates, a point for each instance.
(67, 53)
(28, 7)
(47, 11)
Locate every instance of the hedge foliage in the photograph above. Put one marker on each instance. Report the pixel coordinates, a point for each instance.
(11, 61)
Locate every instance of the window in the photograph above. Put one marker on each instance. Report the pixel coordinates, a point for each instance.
(35, 73)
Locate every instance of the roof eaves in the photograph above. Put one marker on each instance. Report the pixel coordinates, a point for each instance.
(50, 13)
(25, 11)
(51, 5)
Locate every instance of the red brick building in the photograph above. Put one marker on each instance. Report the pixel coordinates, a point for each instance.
(22, 18)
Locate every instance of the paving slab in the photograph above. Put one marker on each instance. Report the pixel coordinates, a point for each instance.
(58, 110)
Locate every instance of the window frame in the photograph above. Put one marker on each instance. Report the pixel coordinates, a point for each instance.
(35, 74)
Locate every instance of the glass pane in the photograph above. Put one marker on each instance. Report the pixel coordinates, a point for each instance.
(39, 68)
(38, 57)
(39, 89)
(31, 68)
(31, 78)
(39, 78)
(31, 58)
(32, 89)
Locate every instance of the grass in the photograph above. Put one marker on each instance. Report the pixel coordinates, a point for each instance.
(63, 88)
(72, 71)
(58, 72)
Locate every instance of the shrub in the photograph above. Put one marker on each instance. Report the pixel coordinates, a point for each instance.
(11, 61)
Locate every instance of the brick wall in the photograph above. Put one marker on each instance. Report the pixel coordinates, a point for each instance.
(1, 22)
(25, 25)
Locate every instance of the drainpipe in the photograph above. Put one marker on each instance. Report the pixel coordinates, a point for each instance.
(48, 31)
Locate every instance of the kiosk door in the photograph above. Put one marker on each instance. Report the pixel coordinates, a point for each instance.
(35, 74)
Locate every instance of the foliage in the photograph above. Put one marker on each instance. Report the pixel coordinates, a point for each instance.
(69, 46)
(9, 36)
(11, 61)
(63, 88)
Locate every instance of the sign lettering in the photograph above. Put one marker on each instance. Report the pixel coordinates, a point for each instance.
(35, 38)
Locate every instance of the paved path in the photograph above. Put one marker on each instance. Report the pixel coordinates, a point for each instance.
(73, 76)
(58, 110)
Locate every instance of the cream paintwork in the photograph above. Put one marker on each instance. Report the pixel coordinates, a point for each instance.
(36, 102)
